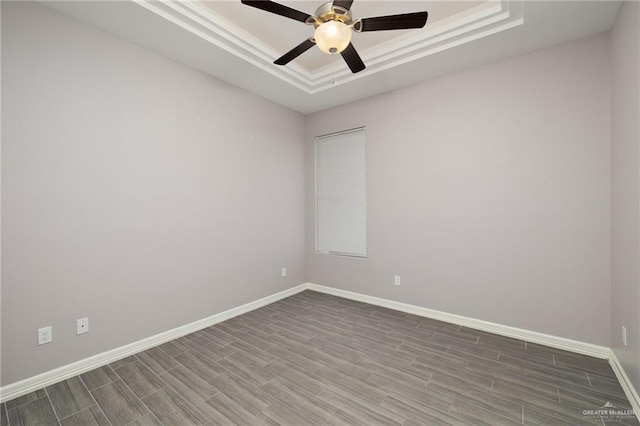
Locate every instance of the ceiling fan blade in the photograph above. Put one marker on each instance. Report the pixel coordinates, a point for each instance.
(393, 22)
(278, 9)
(345, 4)
(295, 52)
(352, 59)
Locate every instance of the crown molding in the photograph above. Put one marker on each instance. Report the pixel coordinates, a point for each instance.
(480, 21)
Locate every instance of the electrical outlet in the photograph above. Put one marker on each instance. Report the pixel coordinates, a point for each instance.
(624, 335)
(396, 280)
(45, 335)
(82, 326)
(283, 272)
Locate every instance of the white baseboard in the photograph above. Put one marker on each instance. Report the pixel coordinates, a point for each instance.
(627, 386)
(503, 330)
(31, 384)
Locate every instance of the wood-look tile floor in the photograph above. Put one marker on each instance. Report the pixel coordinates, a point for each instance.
(315, 359)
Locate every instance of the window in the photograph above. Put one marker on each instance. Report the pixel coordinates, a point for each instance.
(341, 211)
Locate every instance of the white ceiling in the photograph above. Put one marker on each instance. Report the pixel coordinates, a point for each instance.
(238, 44)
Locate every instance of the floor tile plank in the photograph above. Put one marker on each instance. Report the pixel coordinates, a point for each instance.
(4, 417)
(189, 385)
(99, 377)
(157, 360)
(31, 396)
(119, 403)
(173, 348)
(147, 420)
(35, 412)
(419, 413)
(480, 416)
(360, 411)
(208, 348)
(69, 397)
(314, 413)
(140, 379)
(221, 409)
(171, 409)
(92, 416)
(200, 365)
(250, 399)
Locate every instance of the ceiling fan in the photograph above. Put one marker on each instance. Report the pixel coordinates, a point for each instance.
(333, 26)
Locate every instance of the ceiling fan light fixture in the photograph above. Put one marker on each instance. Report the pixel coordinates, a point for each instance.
(333, 36)
(334, 25)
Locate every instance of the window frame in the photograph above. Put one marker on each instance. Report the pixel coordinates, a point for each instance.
(318, 139)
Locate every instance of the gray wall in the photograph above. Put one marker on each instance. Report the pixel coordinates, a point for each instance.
(136, 191)
(488, 193)
(0, 200)
(625, 188)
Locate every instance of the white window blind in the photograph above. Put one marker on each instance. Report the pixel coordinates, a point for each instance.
(341, 211)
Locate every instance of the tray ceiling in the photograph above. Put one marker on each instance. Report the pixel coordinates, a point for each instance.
(282, 34)
(238, 44)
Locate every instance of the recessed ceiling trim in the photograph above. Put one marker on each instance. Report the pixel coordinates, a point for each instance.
(215, 31)
(235, 35)
(441, 37)
(445, 30)
(481, 21)
(474, 15)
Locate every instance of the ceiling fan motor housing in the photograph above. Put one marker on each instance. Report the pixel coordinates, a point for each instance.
(328, 12)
